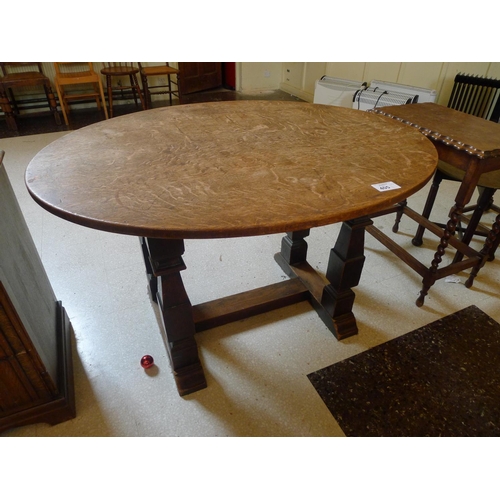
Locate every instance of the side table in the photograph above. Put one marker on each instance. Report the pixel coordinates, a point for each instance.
(464, 141)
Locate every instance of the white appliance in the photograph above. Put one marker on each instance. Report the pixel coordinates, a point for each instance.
(423, 95)
(336, 91)
(378, 98)
(380, 94)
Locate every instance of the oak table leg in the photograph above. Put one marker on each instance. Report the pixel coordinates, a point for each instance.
(294, 247)
(486, 252)
(332, 300)
(448, 232)
(344, 272)
(165, 257)
(426, 213)
(152, 279)
(485, 200)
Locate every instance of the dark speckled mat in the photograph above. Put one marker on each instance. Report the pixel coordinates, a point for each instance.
(440, 380)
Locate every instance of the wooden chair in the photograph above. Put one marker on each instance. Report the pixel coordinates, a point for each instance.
(117, 70)
(478, 96)
(157, 72)
(18, 75)
(71, 74)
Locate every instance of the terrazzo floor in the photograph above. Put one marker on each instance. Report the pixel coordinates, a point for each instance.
(256, 368)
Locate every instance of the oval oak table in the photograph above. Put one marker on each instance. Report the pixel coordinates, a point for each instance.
(234, 169)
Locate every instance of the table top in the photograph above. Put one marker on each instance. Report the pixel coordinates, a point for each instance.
(474, 135)
(227, 169)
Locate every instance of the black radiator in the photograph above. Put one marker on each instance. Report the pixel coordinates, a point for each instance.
(476, 95)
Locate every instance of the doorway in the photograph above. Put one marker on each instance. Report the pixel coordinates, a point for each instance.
(199, 76)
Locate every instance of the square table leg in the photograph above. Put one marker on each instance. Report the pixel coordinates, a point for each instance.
(164, 256)
(332, 300)
(344, 272)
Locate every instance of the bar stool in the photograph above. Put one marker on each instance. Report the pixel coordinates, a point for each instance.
(119, 69)
(157, 72)
(12, 78)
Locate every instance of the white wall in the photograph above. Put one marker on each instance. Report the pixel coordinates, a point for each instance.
(258, 76)
(299, 78)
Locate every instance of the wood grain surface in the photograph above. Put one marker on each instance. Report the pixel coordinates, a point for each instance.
(227, 169)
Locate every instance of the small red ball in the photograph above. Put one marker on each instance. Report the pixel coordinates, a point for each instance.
(147, 361)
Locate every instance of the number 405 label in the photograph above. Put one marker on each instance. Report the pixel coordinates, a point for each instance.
(386, 186)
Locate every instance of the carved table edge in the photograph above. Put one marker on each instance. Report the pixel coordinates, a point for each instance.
(438, 137)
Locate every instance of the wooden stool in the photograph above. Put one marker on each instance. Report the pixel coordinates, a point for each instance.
(12, 80)
(117, 69)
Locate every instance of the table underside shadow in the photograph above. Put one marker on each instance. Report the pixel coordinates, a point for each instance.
(333, 299)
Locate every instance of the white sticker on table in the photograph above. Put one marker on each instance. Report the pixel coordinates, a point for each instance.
(386, 186)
